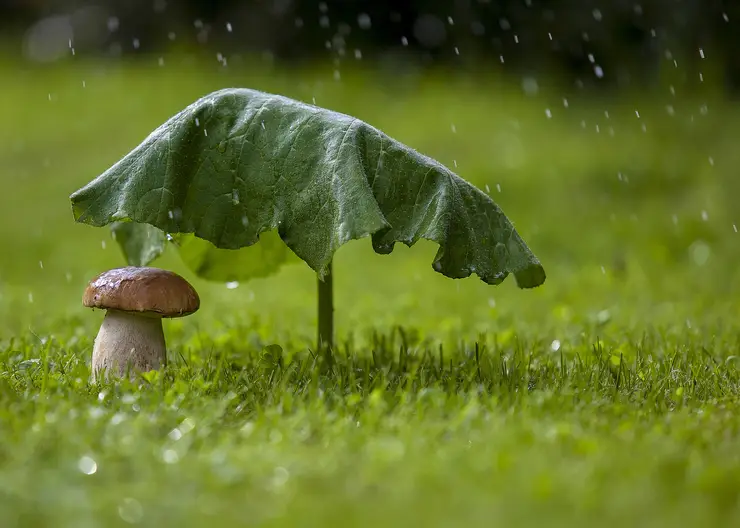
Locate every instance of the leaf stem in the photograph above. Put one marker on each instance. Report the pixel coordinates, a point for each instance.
(326, 310)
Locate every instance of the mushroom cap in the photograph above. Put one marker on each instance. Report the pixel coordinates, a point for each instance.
(149, 291)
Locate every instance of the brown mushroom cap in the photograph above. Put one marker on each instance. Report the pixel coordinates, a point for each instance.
(149, 291)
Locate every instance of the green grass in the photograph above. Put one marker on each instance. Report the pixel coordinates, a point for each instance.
(609, 395)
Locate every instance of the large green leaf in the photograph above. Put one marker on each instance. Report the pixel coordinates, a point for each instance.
(239, 162)
(141, 243)
(251, 262)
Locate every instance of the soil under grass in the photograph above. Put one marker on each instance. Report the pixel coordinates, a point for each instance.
(606, 397)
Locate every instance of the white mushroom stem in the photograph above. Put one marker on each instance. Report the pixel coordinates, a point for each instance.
(129, 342)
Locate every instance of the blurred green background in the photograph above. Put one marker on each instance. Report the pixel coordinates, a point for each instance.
(626, 199)
(606, 132)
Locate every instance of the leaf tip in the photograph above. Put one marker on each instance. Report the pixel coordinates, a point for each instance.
(530, 277)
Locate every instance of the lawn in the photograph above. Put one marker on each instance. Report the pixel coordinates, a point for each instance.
(608, 395)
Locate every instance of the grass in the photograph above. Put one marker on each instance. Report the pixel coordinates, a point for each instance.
(607, 396)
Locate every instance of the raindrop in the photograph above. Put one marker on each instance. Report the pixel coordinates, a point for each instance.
(172, 35)
(598, 71)
(337, 75)
(324, 21)
(197, 122)
(113, 24)
(671, 111)
(498, 187)
(704, 216)
(504, 24)
(565, 103)
(280, 476)
(358, 54)
(700, 252)
(637, 113)
(555, 345)
(548, 113)
(232, 285)
(102, 244)
(725, 17)
(235, 196)
(734, 227)
(84, 84)
(170, 456)
(530, 86)
(221, 146)
(404, 41)
(597, 15)
(130, 510)
(87, 465)
(711, 161)
(247, 429)
(453, 128)
(161, 61)
(516, 39)
(450, 21)
(477, 28)
(363, 20)
(228, 27)
(457, 51)
(701, 52)
(488, 189)
(491, 302)
(263, 125)
(175, 434)
(41, 264)
(245, 221)
(205, 132)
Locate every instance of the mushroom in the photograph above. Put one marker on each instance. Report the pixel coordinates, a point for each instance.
(136, 299)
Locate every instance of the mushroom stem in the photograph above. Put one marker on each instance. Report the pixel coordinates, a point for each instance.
(128, 342)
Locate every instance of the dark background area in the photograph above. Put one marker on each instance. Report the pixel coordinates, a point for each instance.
(589, 43)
